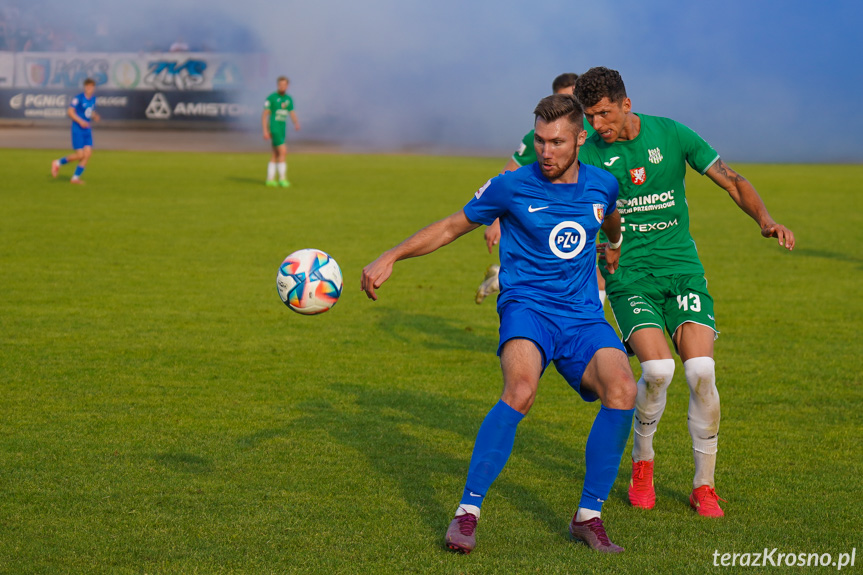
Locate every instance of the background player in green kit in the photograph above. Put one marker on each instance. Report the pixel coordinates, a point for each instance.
(660, 283)
(278, 106)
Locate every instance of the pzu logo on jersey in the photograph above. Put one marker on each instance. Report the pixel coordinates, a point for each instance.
(567, 240)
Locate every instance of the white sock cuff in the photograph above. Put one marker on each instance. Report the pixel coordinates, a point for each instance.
(463, 509)
(707, 447)
(635, 430)
(584, 514)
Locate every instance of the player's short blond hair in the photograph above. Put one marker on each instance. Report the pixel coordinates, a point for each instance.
(280, 78)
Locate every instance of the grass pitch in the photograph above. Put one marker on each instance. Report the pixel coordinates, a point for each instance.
(163, 412)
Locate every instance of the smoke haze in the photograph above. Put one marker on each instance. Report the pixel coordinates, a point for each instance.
(767, 81)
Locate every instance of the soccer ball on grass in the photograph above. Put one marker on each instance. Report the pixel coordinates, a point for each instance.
(309, 281)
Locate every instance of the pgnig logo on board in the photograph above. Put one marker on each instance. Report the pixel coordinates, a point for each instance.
(567, 240)
(775, 558)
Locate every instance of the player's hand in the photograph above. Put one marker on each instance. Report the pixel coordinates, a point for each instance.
(266, 136)
(297, 127)
(84, 124)
(375, 274)
(611, 257)
(785, 236)
(492, 235)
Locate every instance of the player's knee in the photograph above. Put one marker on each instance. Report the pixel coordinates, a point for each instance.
(620, 393)
(657, 374)
(658, 371)
(701, 376)
(519, 395)
(704, 406)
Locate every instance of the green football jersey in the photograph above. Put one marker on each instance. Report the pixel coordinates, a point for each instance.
(526, 153)
(652, 202)
(279, 105)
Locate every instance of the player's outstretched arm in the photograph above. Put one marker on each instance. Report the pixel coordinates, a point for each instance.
(423, 242)
(611, 227)
(744, 195)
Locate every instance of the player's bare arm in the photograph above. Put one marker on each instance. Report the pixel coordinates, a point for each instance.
(423, 242)
(744, 195)
(265, 124)
(295, 121)
(611, 227)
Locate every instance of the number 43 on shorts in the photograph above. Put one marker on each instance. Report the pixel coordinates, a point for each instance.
(689, 302)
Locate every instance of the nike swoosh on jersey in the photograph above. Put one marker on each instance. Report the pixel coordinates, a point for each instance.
(611, 161)
(532, 209)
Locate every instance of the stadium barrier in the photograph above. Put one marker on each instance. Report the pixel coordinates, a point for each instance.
(155, 89)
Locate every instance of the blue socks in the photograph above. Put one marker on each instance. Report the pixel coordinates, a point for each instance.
(63, 161)
(602, 455)
(493, 447)
(78, 171)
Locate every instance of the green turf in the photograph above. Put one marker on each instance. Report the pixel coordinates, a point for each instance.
(163, 412)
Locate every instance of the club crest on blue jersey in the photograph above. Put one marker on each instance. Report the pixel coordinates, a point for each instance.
(599, 212)
(567, 240)
(479, 192)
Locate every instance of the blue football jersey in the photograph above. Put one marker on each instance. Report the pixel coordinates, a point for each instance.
(548, 236)
(84, 107)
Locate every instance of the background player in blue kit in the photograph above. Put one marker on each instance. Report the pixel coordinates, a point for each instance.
(549, 309)
(82, 111)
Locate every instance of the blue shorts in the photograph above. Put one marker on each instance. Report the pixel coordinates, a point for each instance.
(570, 343)
(81, 137)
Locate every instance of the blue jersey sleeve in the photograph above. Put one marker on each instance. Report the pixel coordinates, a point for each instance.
(490, 201)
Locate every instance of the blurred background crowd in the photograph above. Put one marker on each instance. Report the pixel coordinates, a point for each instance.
(37, 26)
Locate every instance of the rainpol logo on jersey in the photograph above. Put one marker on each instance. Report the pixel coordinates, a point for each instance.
(638, 176)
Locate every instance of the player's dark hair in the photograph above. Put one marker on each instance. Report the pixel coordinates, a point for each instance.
(280, 78)
(89, 81)
(563, 81)
(557, 106)
(598, 83)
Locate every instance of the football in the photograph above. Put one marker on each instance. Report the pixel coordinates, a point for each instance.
(309, 281)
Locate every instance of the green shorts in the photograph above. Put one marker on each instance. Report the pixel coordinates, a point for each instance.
(664, 302)
(277, 136)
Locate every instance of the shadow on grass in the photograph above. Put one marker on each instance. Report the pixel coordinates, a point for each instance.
(184, 462)
(239, 180)
(402, 435)
(825, 254)
(433, 332)
(255, 439)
